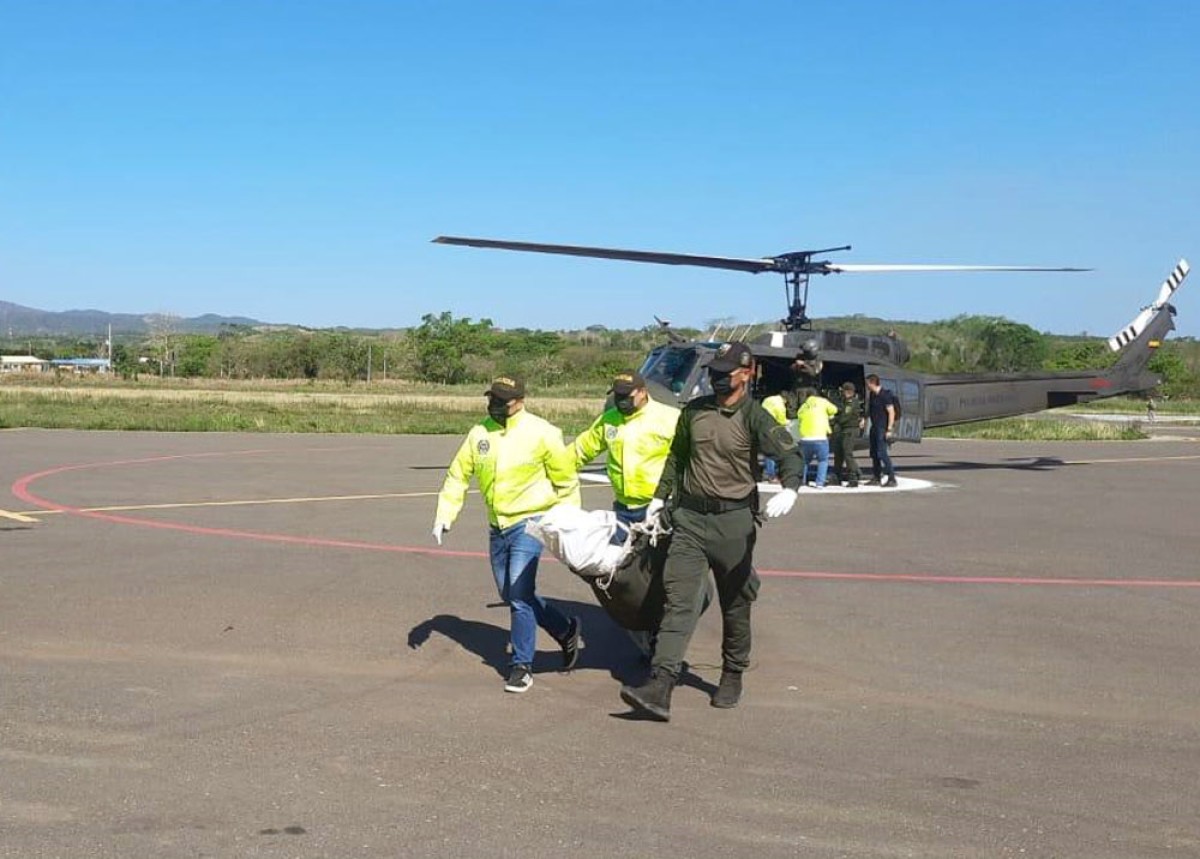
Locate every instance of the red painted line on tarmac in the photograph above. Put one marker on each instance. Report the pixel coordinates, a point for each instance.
(21, 490)
(982, 580)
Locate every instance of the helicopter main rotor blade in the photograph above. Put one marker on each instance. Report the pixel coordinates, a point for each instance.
(732, 263)
(839, 268)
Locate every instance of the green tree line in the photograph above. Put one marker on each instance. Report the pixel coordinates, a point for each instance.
(445, 349)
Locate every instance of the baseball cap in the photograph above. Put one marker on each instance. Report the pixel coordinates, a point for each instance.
(507, 388)
(626, 382)
(730, 357)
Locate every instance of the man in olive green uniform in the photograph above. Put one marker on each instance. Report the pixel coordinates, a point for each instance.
(709, 477)
(847, 426)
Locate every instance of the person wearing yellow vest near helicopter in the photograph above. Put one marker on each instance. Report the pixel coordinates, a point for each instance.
(776, 406)
(523, 469)
(813, 420)
(636, 432)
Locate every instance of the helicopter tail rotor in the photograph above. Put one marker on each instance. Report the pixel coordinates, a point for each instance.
(1131, 331)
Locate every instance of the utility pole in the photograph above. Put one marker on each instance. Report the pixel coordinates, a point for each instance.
(368, 362)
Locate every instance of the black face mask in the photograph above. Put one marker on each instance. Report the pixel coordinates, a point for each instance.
(722, 383)
(498, 410)
(625, 405)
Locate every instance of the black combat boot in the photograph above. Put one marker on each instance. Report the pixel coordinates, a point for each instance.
(729, 692)
(653, 698)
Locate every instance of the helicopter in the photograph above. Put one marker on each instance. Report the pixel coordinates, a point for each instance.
(798, 356)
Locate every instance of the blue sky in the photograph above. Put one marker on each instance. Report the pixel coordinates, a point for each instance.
(290, 161)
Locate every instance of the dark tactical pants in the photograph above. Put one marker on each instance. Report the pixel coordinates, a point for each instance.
(845, 466)
(881, 456)
(723, 542)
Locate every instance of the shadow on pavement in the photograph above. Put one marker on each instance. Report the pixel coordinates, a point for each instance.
(1043, 463)
(606, 646)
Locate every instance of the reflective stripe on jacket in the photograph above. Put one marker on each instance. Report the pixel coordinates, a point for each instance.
(638, 446)
(523, 469)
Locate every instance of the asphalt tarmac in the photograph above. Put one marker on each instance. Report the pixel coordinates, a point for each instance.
(248, 646)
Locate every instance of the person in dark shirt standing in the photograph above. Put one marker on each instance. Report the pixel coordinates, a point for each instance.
(881, 409)
(709, 478)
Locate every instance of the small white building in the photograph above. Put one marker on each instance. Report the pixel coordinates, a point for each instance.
(82, 365)
(23, 364)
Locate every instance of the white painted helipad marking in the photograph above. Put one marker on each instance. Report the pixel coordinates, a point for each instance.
(906, 484)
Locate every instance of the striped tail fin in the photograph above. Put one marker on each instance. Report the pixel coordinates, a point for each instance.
(1131, 331)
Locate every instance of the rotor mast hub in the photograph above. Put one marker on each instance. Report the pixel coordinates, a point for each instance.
(797, 268)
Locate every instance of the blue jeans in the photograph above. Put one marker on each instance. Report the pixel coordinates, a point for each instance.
(815, 449)
(515, 558)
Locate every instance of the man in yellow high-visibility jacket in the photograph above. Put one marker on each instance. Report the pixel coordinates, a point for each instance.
(776, 406)
(637, 433)
(813, 420)
(523, 469)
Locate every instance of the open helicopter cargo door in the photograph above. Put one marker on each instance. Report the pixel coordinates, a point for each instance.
(911, 394)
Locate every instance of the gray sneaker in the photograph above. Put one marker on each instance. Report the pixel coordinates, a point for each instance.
(520, 678)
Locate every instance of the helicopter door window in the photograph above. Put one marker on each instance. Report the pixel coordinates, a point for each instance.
(670, 368)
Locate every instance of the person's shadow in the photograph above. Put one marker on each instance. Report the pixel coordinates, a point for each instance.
(606, 646)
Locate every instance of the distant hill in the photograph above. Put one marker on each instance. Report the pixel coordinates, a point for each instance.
(24, 321)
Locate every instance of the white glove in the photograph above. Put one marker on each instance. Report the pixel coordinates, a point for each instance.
(439, 528)
(781, 504)
(654, 509)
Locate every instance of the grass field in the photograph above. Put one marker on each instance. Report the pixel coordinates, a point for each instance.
(1040, 429)
(388, 407)
(174, 408)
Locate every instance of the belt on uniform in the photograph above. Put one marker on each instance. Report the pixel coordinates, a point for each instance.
(700, 504)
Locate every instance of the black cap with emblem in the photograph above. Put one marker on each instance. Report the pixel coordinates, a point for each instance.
(730, 357)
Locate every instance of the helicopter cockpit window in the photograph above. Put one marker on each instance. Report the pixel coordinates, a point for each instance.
(670, 367)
